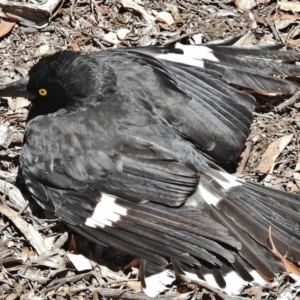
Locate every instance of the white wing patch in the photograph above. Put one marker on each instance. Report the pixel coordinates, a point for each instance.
(106, 213)
(179, 58)
(234, 283)
(230, 183)
(197, 52)
(211, 196)
(192, 55)
(158, 283)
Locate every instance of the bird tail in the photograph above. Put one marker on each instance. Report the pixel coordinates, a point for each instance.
(261, 218)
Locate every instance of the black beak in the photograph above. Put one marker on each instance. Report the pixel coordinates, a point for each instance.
(16, 89)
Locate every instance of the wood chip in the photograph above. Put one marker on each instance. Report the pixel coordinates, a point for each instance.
(79, 262)
(111, 38)
(135, 285)
(43, 49)
(164, 17)
(6, 136)
(30, 14)
(32, 235)
(293, 6)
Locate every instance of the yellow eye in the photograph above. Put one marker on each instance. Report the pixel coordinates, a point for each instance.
(43, 92)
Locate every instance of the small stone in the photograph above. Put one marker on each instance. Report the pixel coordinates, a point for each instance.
(44, 49)
(122, 33)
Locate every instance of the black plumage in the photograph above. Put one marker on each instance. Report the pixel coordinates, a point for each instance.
(125, 149)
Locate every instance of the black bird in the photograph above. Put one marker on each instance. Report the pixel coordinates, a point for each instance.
(125, 148)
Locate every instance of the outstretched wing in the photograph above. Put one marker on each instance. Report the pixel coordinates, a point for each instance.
(196, 102)
(122, 191)
(262, 69)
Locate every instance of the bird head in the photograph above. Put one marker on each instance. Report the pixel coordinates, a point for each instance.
(64, 82)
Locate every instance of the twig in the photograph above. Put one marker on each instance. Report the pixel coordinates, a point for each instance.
(174, 40)
(4, 226)
(272, 25)
(57, 10)
(55, 284)
(288, 102)
(92, 36)
(245, 156)
(130, 295)
(262, 116)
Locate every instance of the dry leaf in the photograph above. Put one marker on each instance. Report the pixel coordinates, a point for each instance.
(164, 17)
(293, 6)
(33, 275)
(295, 33)
(61, 241)
(49, 242)
(21, 102)
(52, 259)
(175, 13)
(283, 20)
(101, 10)
(131, 4)
(288, 265)
(249, 4)
(12, 297)
(281, 24)
(273, 152)
(11, 103)
(25, 254)
(295, 43)
(13, 193)
(74, 46)
(6, 25)
(247, 39)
